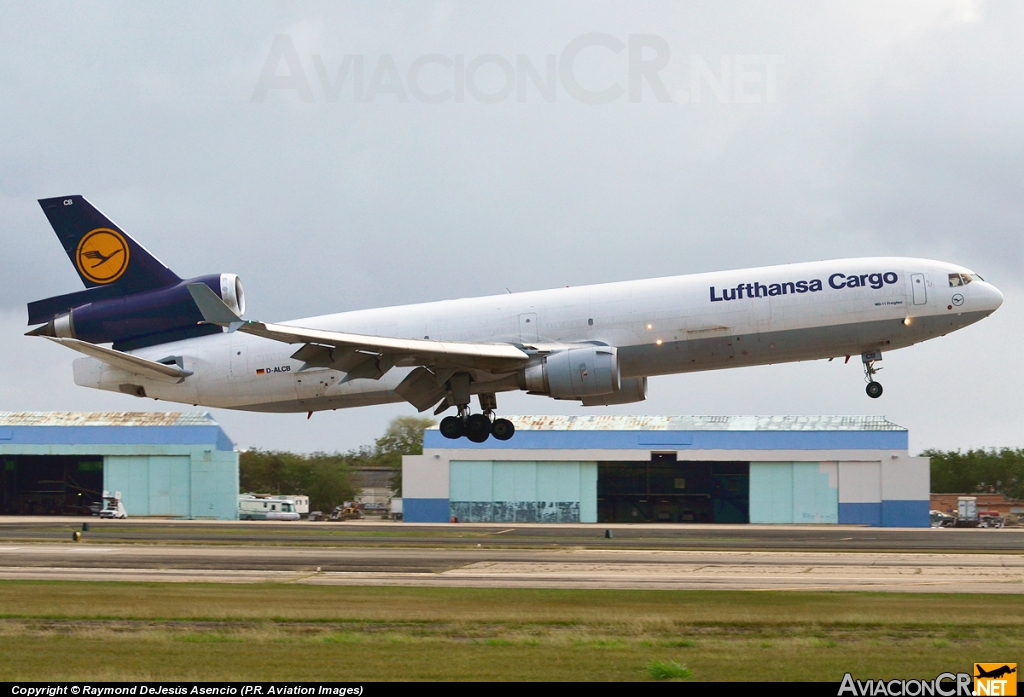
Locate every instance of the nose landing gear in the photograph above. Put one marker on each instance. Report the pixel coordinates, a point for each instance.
(874, 389)
(477, 427)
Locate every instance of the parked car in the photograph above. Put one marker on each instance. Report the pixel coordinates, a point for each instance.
(315, 515)
(942, 520)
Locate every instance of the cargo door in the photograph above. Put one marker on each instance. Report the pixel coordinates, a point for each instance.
(239, 361)
(920, 291)
(528, 327)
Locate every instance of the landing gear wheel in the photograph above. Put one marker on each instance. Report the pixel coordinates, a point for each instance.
(478, 428)
(451, 427)
(502, 429)
(874, 389)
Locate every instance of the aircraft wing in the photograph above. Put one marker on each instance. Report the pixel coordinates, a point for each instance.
(125, 361)
(363, 356)
(405, 352)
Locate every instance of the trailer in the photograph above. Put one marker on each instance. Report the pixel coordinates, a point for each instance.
(967, 512)
(251, 507)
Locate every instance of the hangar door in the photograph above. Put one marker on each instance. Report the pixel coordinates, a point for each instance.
(523, 492)
(667, 491)
(50, 484)
(794, 492)
(150, 484)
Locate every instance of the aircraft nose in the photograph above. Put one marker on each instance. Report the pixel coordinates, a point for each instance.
(993, 298)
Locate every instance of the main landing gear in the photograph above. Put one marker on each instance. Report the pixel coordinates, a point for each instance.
(874, 389)
(477, 427)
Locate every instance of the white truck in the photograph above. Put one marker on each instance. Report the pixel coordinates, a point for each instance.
(967, 512)
(253, 507)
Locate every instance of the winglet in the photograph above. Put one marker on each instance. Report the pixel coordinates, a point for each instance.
(213, 309)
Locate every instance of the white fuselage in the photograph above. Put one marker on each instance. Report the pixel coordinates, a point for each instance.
(660, 326)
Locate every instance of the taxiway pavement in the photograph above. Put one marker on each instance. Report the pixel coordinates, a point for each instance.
(518, 568)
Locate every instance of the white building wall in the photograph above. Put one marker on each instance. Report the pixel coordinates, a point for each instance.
(906, 478)
(860, 482)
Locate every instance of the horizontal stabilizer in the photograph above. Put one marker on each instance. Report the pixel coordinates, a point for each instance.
(45, 310)
(124, 361)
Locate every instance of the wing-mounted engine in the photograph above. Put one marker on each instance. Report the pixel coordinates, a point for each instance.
(102, 315)
(630, 390)
(586, 373)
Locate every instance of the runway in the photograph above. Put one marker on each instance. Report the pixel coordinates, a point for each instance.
(830, 538)
(518, 568)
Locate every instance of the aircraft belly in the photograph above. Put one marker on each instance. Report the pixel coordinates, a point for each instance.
(809, 343)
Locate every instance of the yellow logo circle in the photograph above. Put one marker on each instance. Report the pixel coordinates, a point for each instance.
(102, 255)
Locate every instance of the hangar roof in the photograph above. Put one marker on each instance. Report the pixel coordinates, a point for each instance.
(690, 433)
(703, 423)
(25, 431)
(106, 418)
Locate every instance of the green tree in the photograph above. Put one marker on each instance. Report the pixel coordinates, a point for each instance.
(1001, 471)
(404, 436)
(330, 481)
(324, 478)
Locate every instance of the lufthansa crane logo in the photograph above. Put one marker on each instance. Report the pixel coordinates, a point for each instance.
(102, 255)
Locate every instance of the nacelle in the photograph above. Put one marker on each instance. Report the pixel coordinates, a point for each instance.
(631, 390)
(575, 373)
(141, 319)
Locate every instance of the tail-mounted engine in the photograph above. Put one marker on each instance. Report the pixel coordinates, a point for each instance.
(132, 321)
(588, 373)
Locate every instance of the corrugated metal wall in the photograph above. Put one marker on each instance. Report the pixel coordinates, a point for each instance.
(204, 485)
(794, 492)
(523, 492)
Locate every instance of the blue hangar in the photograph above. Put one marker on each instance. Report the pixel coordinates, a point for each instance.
(674, 469)
(172, 464)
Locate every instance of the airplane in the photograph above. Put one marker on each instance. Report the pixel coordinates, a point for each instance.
(185, 340)
(994, 673)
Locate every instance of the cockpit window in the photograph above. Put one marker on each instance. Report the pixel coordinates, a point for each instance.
(954, 280)
(961, 279)
(976, 277)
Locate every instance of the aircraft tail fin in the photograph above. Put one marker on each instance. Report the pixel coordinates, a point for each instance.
(101, 252)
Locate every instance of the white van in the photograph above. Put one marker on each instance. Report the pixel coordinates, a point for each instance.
(266, 508)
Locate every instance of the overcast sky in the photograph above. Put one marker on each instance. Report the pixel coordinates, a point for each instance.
(353, 155)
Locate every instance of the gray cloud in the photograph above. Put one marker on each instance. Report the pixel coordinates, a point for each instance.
(893, 130)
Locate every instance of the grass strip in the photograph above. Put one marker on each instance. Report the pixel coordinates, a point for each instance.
(151, 631)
